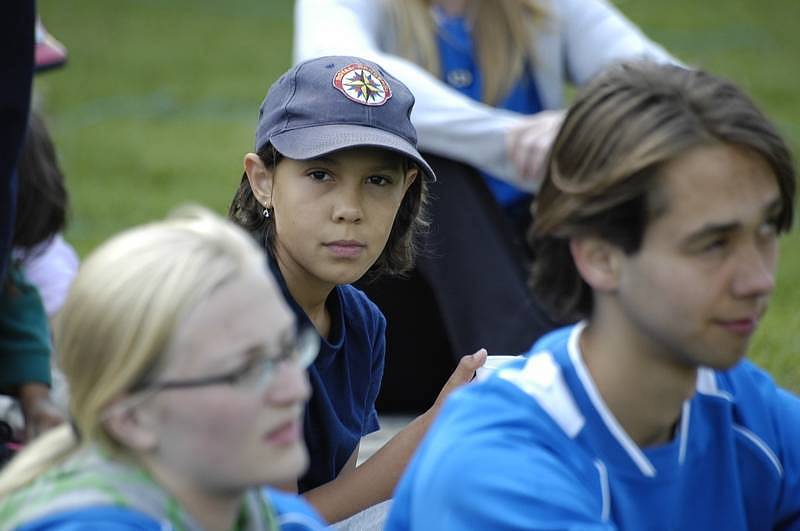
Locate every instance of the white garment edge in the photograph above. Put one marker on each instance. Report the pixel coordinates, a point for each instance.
(605, 490)
(611, 422)
(684, 433)
(707, 384)
(541, 378)
(51, 266)
(761, 445)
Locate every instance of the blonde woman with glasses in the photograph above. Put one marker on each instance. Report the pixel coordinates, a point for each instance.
(187, 377)
(489, 78)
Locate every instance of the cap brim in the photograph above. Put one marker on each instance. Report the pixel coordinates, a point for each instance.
(316, 141)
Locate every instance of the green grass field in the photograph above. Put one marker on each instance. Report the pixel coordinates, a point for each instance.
(159, 100)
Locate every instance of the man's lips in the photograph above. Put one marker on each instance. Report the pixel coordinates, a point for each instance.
(741, 327)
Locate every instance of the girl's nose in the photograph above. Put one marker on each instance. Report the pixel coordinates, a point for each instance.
(347, 208)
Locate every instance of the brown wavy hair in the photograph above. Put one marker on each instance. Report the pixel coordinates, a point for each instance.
(42, 200)
(602, 175)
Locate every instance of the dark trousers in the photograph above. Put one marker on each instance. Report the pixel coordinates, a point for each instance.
(468, 290)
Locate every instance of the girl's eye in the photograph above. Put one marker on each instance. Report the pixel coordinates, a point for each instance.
(379, 180)
(319, 175)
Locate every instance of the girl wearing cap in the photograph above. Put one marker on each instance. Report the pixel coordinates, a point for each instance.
(187, 379)
(334, 191)
(489, 77)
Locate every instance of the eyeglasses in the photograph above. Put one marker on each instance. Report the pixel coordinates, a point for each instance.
(257, 374)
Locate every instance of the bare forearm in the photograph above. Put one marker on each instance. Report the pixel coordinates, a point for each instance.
(373, 481)
(357, 488)
(39, 411)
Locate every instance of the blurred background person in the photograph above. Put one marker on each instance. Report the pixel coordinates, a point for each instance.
(24, 335)
(44, 266)
(184, 402)
(47, 260)
(41, 269)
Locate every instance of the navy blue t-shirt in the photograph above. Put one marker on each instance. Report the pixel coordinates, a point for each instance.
(345, 378)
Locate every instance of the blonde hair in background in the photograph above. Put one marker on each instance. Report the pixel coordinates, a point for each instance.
(501, 29)
(119, 318)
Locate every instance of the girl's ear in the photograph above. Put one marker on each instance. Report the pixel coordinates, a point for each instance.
(260, 178)
(131, 426)
(412, 174)
(597, 261)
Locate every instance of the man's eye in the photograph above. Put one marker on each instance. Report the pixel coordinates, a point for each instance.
(714, 245)
(768, 229)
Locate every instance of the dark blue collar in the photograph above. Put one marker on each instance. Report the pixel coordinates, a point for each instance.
(333, 343)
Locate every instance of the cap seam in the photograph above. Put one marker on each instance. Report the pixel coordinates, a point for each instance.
(369, 126)
(292, 93)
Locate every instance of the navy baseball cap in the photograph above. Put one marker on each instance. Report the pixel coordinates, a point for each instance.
(337, 102)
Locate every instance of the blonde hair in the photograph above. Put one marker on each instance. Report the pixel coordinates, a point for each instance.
(120, 315)
(502, 32)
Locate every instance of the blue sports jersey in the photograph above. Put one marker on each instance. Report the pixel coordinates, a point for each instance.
(345, 379)
(460, 70)
(535, 447)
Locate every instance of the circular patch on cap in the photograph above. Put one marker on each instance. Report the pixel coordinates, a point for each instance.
(362, 84)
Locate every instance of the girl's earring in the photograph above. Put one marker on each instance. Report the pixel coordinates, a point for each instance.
(265, 213)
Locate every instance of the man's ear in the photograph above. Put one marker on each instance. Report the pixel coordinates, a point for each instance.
(131, 426)
(260, 178)
(597, 261)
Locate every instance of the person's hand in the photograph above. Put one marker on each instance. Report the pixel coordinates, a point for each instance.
(463, 373)
(529, 142)
(40, 412)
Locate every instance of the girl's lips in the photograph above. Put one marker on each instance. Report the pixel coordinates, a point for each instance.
(345, 249)
(285, 434)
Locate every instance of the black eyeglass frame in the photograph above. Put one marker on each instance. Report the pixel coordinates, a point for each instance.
(307, 340)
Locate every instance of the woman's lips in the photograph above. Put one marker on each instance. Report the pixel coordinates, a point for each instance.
(285, 434)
